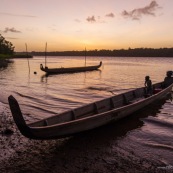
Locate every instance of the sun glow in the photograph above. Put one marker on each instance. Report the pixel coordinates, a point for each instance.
(74, 26)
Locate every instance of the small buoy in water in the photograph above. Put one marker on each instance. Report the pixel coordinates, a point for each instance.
(35, 72)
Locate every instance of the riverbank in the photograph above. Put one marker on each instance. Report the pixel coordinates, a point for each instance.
(93, 151)
(137, 52)
(22, 56)
(4, 63)
(4, 60)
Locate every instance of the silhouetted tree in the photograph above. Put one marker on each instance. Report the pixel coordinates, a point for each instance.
(6, 47)
(137, 52)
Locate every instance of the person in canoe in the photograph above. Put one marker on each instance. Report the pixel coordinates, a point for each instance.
(148, 86)
(168, 79)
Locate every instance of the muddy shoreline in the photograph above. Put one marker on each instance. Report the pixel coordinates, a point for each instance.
(99, 150)
(4, 63)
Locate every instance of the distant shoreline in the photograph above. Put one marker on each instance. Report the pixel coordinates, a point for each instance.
(137, 52)
(18, 55)
(5, 59)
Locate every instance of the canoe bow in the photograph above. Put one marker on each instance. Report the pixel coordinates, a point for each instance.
(18, 117)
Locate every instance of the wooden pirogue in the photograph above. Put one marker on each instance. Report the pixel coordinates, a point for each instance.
(86, 117)
(69, 69)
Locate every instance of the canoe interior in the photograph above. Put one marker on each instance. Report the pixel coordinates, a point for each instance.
(104, 105)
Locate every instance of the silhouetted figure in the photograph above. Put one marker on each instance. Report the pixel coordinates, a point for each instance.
(148, 85)
(168, 79)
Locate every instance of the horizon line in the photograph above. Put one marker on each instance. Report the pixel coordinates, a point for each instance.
(100, 49)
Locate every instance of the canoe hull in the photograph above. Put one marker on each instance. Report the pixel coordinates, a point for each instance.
(70, 69)
(86, 117)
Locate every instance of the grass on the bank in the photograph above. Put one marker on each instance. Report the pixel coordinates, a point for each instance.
(3, 56)
(6, 57)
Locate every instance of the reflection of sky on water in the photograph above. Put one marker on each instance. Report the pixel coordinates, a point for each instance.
(40, 96)
(66, 91)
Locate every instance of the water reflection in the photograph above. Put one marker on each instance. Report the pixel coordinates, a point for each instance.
(41, 96)
(73, 90)
(44, 78)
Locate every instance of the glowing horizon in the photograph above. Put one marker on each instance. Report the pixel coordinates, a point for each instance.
(74, 25)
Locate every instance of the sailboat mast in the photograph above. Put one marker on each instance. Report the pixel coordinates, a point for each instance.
(85, 56)
(46, 54)
(27, 57)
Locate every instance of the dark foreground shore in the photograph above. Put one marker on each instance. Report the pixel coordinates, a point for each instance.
(4, 63)
(97, 151)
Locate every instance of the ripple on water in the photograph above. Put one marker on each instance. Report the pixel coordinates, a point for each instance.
(148, 134)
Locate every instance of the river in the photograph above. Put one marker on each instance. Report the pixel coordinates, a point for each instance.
(149, 134)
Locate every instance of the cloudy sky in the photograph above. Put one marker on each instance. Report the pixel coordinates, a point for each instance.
(94, 24)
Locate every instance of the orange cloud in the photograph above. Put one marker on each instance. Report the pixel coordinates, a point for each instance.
(136, 14)
(110, 15)
(91, 19)
(18, 15)
(11, 30)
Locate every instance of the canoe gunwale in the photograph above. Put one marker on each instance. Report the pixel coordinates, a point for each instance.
(115, 110)
(69, 69)
(50, 131)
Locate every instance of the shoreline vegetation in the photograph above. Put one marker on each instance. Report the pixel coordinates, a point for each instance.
(17, 55)
(6, 52)
(4, 63)
(4, 60)
(137, 52)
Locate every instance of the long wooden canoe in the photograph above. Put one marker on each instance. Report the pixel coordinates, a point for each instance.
(69, 69)
(86, 117)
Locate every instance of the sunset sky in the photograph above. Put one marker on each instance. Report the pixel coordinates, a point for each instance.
(94, 24)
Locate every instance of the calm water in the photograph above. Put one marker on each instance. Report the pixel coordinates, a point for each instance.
(41, 96)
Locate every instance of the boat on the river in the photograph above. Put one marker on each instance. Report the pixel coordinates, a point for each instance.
(89, 116)
(69, 69)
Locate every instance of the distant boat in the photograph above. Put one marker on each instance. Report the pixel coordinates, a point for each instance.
(86, 117)
(69, 69)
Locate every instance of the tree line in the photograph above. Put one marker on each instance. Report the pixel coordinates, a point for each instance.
(137, 52)
(6, 47)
